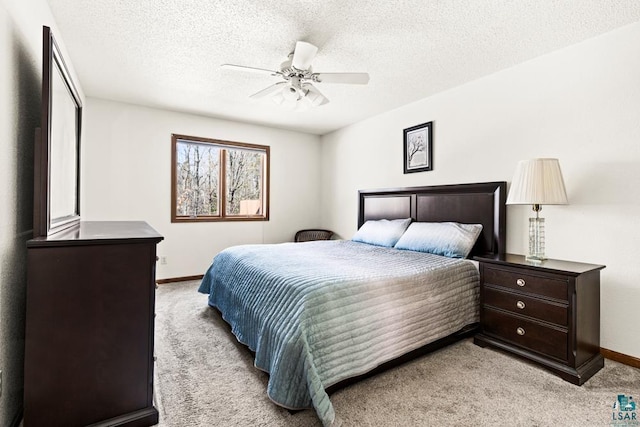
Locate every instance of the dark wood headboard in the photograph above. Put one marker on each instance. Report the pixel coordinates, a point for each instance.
(479, 203)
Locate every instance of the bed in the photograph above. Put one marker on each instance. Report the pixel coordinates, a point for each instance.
(318, 314)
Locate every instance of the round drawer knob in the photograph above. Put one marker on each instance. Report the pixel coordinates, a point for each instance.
(520, 305)
(520, 282)
(520, 331)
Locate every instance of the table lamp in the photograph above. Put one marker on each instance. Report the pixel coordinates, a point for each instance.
(537, 182)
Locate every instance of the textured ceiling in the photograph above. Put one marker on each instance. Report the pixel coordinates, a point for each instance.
(167, 53)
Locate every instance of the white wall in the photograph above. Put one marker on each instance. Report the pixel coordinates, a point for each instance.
(581, 105)
(126, 175)
(21, 24)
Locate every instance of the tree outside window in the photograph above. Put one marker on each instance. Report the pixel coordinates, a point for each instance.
(215, 180)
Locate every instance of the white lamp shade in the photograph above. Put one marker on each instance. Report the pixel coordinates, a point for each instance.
(314, 96)
(537, 182)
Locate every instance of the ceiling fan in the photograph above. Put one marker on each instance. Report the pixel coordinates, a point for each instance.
(297, 89)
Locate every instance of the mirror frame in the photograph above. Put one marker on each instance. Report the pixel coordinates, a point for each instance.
(51, 138)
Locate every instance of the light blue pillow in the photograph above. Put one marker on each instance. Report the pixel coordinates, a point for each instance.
(381, 232)
(441, 238)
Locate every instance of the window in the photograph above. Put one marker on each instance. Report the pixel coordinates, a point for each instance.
(215, 180)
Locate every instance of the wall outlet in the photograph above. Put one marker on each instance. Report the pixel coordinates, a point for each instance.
(163, 260)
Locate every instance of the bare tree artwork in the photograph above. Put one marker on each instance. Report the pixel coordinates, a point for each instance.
(416, 144)
(418, 148)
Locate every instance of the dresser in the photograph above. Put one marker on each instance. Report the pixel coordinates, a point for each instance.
(89, 326)
(547, 312)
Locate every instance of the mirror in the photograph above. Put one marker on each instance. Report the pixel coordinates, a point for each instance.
(57, 156)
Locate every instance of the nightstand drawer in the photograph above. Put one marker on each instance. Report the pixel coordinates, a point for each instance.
(532, 335)
(543, 286)
(528, 306)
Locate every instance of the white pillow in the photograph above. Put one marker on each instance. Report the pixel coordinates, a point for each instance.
(441, 238)
(381, 232)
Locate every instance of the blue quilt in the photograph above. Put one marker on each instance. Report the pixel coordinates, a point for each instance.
(316, 313)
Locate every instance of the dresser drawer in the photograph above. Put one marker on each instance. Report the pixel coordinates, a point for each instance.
(525, 333)
(543, 286)
(528, 306)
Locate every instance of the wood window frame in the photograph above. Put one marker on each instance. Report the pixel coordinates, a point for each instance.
(222, 215)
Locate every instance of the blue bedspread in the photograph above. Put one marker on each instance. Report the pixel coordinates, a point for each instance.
(316, 313)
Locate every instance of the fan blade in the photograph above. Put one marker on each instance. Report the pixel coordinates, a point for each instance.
(314, 96)
(349, 78)
(250, 69)
(303, 55)
(268, 91)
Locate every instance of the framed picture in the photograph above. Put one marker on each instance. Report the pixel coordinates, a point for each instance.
(418, 150)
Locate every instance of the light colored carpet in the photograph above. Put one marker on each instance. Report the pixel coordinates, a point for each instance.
(204, 377)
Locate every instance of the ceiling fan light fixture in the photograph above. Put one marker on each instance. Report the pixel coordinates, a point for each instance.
(291, 93)
(315, 99)
(296, 91)
(286, 99)
(290, 105)
(314, 96)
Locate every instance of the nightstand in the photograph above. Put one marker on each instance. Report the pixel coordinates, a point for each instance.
(547, 312)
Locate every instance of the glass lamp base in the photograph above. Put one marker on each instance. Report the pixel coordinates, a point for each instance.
(536, 240)
(534, 259)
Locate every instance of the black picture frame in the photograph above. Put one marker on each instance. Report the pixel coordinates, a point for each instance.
(57, 150)
(418, 148)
